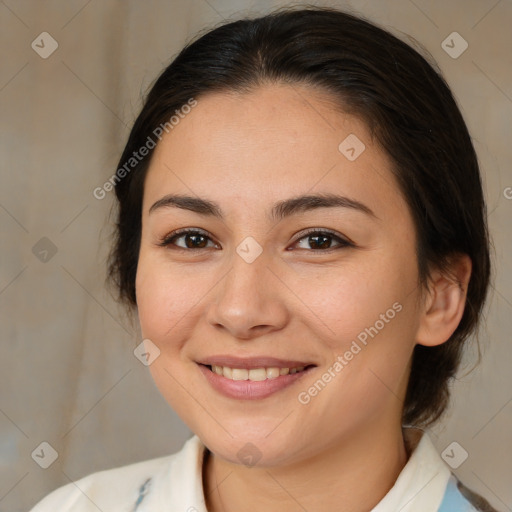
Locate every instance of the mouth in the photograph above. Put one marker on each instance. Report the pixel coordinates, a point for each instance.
(253, 378)
(255, 374)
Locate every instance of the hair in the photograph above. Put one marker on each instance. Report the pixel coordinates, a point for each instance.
(409, 110)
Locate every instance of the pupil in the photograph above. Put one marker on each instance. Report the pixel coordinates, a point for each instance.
(192, 239)
(324, 245)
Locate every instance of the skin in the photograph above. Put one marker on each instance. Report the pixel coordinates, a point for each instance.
(246, 152)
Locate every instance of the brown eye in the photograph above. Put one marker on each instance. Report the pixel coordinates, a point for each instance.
(195, 241)
(323, 241)
(190, 239)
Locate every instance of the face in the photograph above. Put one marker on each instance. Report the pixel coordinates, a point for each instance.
(257, 280)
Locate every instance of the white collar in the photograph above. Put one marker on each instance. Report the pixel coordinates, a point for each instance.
(420, 486)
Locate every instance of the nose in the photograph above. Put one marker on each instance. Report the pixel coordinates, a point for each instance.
(249, 301)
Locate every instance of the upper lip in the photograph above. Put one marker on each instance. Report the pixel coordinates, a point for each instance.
(252, 362)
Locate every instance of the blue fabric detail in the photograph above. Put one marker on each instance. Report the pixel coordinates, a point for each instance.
(453, 500)
(144, 489)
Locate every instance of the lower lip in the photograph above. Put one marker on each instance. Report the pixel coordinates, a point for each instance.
(249, 389)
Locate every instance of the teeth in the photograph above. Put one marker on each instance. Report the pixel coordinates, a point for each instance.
(260, 374)
(254, 374)
(240, 374)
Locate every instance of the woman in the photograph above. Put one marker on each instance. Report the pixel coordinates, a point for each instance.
(302, 232)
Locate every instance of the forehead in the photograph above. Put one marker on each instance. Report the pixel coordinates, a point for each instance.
(272, 143)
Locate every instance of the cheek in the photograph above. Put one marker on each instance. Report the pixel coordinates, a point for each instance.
(165, 300)
(347, 300)
(371, 314)
(366, 315)
(164, 296)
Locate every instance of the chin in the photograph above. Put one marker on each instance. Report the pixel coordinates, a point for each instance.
(258, 448)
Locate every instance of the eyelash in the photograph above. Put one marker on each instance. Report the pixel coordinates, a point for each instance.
(171, 237)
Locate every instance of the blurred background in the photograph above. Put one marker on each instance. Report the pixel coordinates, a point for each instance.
(73, 397)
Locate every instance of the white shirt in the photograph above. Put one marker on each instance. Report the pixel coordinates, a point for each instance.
(174, 484)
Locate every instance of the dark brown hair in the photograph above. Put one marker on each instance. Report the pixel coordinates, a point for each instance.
(409, 110)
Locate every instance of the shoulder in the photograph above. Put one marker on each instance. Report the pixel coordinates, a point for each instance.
(119, 489)
(459, 498)
(112, 489)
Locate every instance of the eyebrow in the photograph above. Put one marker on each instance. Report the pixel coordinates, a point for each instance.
(279, 211)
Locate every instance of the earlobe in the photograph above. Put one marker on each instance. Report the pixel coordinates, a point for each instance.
(444, 306)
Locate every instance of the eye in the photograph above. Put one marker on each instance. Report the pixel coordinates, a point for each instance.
(321, 240)
(318, 240)
(191, 239)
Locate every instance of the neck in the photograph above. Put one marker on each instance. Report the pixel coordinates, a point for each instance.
(356, 473)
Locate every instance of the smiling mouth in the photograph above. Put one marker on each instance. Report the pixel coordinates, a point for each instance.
(255, 374)
(252, 378)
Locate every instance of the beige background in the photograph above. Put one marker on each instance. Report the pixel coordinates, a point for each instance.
(67, 370)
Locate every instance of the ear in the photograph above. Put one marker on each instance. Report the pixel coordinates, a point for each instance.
(444, 305)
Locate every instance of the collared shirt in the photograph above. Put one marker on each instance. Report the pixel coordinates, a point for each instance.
(174, 484)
